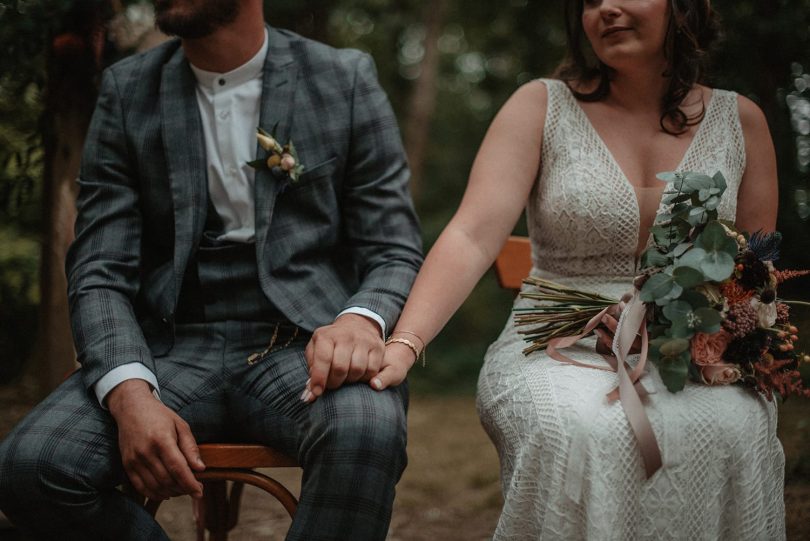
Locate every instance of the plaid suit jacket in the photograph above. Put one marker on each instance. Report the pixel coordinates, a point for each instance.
(344, 235)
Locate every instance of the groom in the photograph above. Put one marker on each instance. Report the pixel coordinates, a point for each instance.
(212, 302)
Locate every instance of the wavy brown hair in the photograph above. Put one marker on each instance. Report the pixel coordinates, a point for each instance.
(693, 27)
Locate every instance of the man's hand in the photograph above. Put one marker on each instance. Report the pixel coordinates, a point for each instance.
(348, 350)
(157, 448)
(398, 359)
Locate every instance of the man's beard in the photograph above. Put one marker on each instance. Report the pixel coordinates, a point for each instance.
(197, 22)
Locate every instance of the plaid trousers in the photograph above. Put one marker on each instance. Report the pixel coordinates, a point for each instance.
(59, 467)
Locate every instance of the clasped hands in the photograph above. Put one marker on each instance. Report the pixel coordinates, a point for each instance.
(158, 451)
(352, 350)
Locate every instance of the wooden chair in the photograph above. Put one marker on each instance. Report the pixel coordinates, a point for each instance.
(218, 511)
(514, 263)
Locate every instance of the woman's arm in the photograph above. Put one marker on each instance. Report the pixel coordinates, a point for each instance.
(502, 176)
(758, 197)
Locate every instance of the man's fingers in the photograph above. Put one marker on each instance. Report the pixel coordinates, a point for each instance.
(188, 446)
(189, 455)
(375, 357)
(152, 488)
(339, 367)
(358, 365)
(140, 487)
(309, 353)
(158, 468)
(321, 363)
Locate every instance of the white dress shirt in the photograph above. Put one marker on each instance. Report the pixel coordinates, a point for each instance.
(229, 106)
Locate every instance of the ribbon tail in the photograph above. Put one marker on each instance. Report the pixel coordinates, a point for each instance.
(631, 321)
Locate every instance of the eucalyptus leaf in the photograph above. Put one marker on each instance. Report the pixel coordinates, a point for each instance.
(720, 181)
(653, 258)
(674, 347)
(654, 351)
(681, 248)
(708, 320)
(697, 216)
(673, 373)
(658, 286)
(677, 311)
(681, 329)
(669, 176)
(687, 277)
(714, 238)
(695, 299)
(717, 266)
(677, 197)
(692, 258)
(698, 181)
(712, 202)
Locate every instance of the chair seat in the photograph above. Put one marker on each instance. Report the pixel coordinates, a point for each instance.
(233, 455)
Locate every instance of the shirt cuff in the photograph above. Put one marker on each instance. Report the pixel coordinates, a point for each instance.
(368, 313)
(119, 375)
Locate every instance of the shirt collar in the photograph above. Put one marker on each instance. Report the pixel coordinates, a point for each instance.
(252, 69)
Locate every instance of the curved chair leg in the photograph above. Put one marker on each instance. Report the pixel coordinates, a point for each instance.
(218, 511)
(268, 484)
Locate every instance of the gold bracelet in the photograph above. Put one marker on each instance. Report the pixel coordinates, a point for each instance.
(415, 336)
(408, 343)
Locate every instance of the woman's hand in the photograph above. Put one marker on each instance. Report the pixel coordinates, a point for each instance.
(396, 362)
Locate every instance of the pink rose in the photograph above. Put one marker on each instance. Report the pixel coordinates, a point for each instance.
(719, 374)
(709, 348)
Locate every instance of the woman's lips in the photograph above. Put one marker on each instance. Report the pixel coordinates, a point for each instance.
(614, 30)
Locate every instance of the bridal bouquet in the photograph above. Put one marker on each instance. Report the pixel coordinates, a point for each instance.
(709, 293)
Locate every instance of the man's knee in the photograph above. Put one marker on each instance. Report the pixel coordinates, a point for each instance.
(40, 469)
(21, 471)
(363, 425)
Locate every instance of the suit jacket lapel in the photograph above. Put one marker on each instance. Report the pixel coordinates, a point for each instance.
(278, 89)
(184, 147)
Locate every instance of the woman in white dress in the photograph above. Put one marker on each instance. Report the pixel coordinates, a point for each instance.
(581, 154)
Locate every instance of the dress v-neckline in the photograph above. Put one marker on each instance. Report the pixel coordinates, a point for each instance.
(610, 154)
(625, 180)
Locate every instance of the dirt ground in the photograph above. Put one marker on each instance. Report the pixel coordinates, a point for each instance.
(450, 490)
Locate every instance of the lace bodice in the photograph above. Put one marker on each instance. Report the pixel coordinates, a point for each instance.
(583, 215)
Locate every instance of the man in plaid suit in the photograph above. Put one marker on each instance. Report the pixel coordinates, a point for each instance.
(213, 302)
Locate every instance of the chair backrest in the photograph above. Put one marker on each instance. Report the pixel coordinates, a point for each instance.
(514, 262)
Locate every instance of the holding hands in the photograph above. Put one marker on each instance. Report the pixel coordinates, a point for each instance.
(351, 350)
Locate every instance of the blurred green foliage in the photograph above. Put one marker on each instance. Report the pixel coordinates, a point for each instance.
(487, 50)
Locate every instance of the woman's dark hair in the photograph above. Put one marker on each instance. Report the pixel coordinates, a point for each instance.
(693, 27)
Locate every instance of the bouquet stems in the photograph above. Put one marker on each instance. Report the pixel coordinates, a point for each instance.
(572, 311)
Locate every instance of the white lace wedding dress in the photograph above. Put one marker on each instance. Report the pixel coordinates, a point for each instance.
(570, 466)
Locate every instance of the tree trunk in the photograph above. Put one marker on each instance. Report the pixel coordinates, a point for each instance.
(74, 64)
(422, 102)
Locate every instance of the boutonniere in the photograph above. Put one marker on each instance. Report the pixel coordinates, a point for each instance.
(282, 161)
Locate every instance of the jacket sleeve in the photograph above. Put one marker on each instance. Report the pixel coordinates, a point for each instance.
(103, 262)
(378, 215)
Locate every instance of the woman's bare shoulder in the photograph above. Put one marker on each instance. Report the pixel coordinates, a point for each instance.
(752, 119)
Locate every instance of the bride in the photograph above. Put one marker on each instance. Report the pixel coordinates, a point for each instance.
(581, 152)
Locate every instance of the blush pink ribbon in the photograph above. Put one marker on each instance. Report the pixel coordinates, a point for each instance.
(629, 391)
